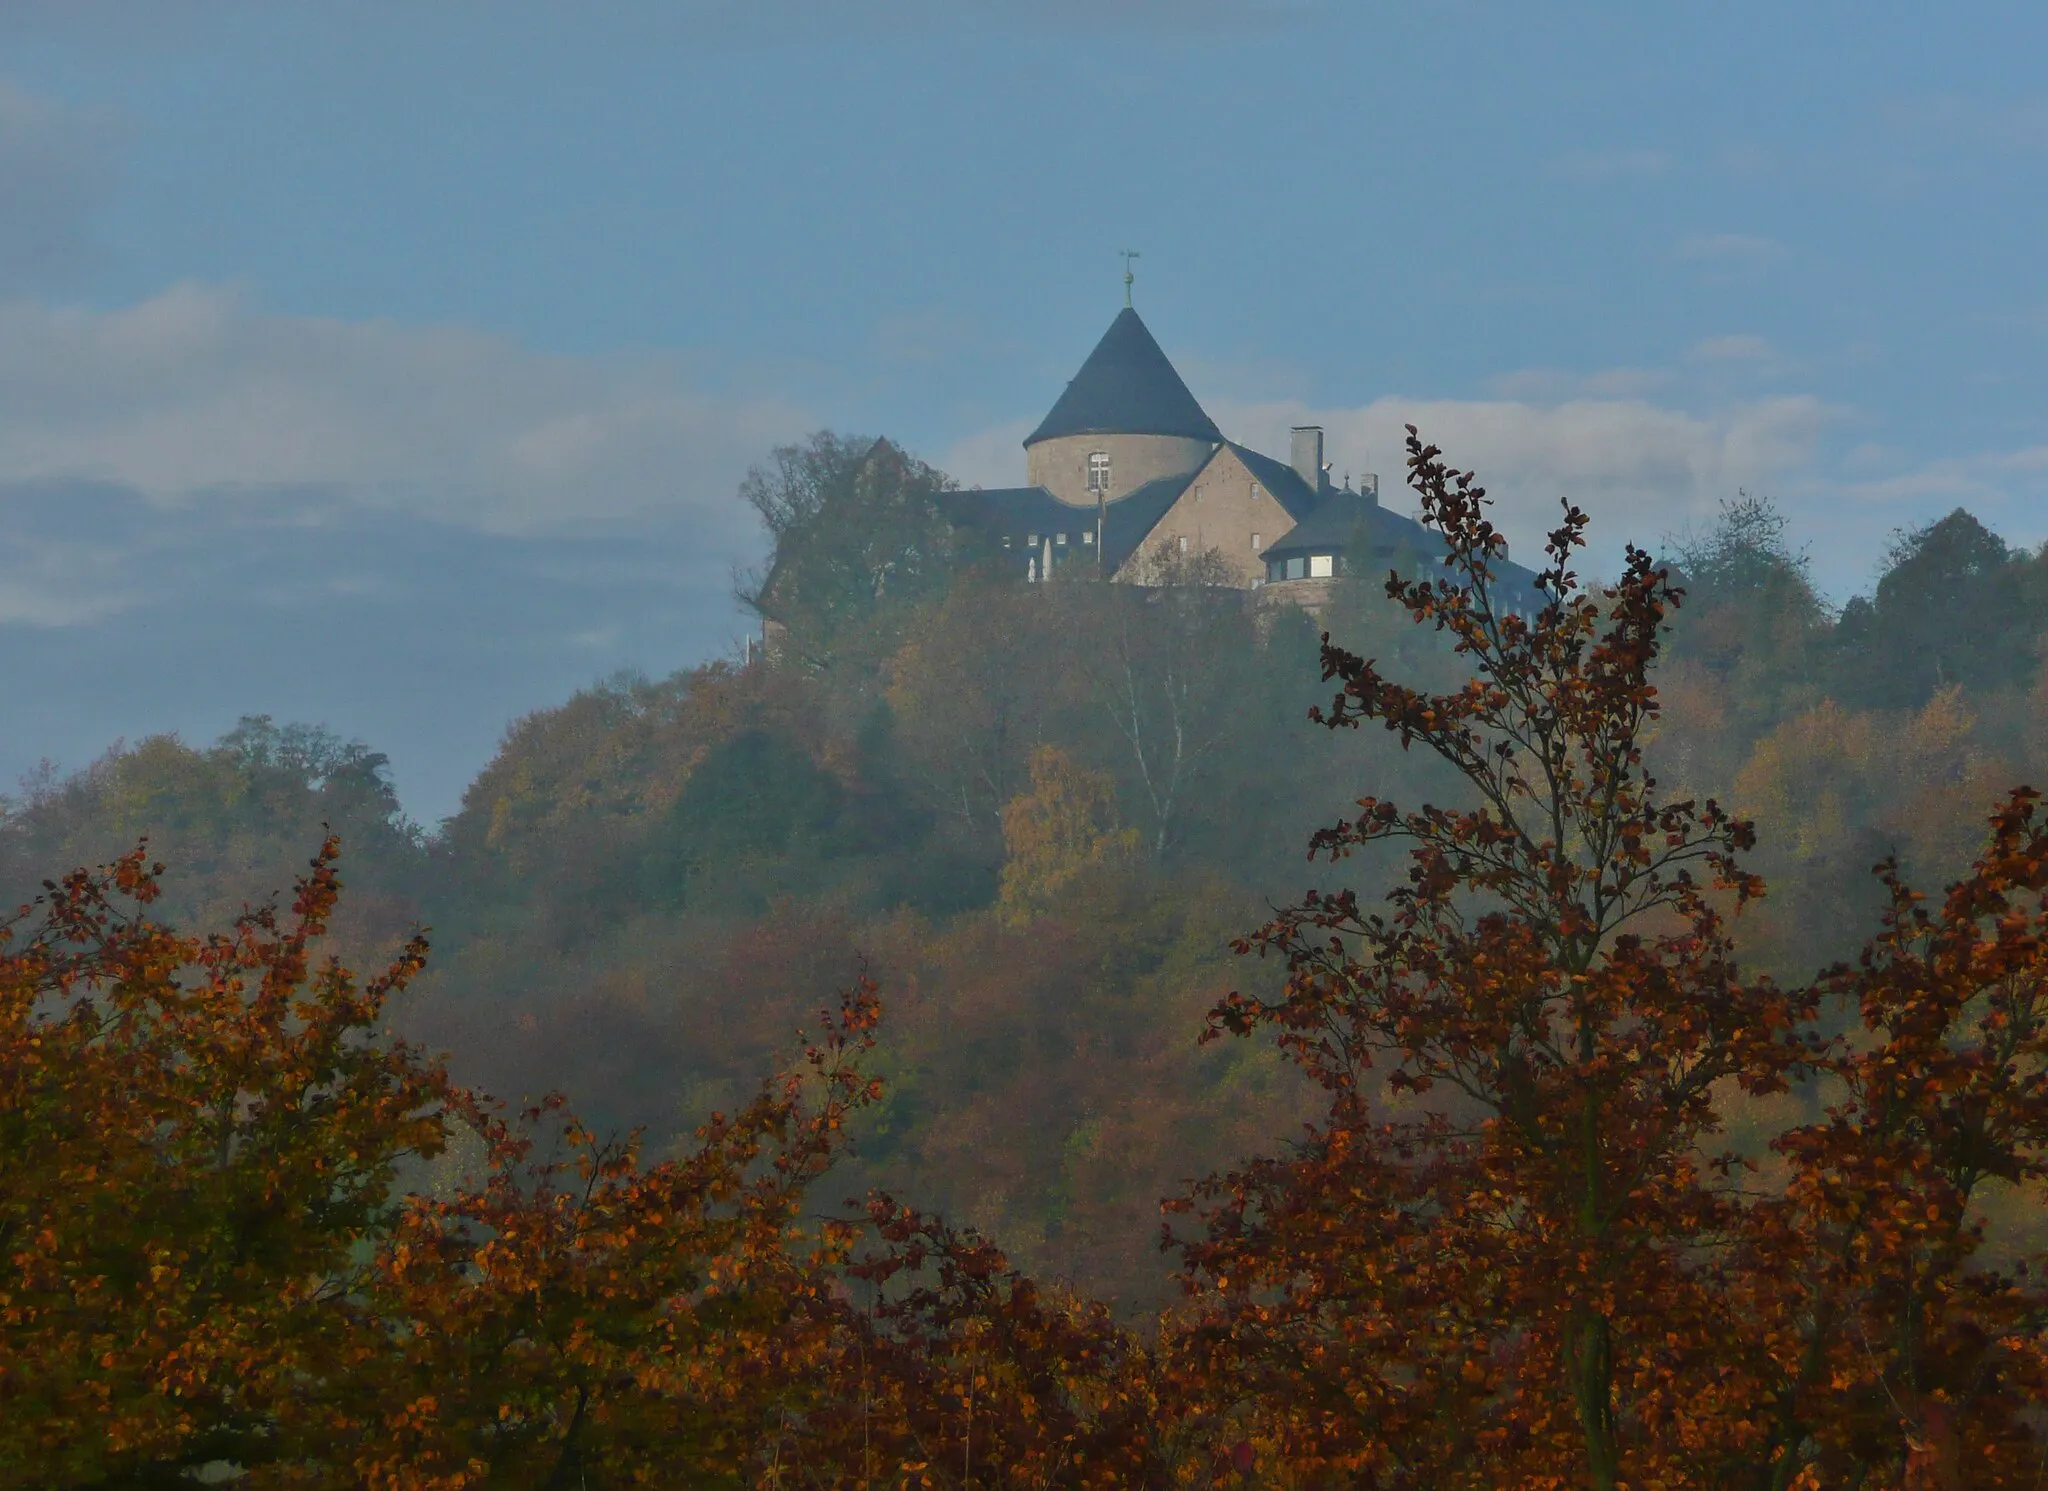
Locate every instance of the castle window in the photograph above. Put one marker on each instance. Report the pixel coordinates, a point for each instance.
(1183, 543)
(1060, 539)
(1087, 537)
(1098, 472)
(1276, 569)
(1031, 542)
(1255, 491)
(1297, 569)
(1255, 543)
(1319, 567)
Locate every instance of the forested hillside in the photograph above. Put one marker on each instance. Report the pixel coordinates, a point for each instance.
(1036, 815)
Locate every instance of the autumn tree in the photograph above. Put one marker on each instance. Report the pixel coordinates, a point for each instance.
(1507, 1254)
(247, 1235)
(1065, 825)
(197, 1146)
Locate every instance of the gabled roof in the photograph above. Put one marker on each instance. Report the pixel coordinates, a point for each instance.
(1342, 520)
(1351, 524)
(1017, 513)
(1126, 387)
(1285, 483)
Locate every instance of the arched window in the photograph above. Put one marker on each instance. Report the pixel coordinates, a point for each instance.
(1098, 472)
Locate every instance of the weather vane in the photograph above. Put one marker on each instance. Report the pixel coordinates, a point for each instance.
(1129, 278)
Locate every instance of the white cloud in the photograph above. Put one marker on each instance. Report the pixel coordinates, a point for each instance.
(1594, 167)
(58, 166)
(989, 458)
(1639, 469)
(195, 391)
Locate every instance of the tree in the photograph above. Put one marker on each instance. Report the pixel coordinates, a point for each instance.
(751, 798)
(214, 1267)
(1752, 623)
(234, 817)
(576, 1316)
(1163, 659)
(858, 541)
(198, 1142)
(1065, 825)
(1954, 605)
(1509, 1254)
(975, 688)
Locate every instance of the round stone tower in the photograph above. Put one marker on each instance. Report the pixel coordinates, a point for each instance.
(1126, 419)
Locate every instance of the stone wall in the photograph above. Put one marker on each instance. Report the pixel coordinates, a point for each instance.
(1226, 509)
(1060, 464)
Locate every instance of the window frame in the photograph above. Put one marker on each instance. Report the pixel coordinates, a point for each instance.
(1100, 468)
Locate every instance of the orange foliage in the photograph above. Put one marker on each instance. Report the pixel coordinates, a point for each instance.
(1065, 825)
(1508, 1255)
(195, 1141)
(210, 1262)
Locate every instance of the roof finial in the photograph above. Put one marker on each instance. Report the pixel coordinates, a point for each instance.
(1129, 278)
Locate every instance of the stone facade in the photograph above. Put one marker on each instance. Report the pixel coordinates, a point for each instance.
(1060, 464)
(1226, 509)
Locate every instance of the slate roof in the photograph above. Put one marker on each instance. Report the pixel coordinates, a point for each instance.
(1338, 522)
(1018, 512)
(1344, 516)
(1126, 387)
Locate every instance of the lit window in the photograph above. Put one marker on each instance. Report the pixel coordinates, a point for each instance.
(1087, 538)
(1098, 472)
(1060, 540)
(1319, 567)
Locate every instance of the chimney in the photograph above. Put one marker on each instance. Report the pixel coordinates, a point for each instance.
(1305, 455)
(1369, 487)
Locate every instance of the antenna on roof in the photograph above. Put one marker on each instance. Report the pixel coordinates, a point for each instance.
(1129, 278)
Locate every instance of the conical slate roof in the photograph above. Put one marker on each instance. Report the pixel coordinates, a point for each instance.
(1126, 387)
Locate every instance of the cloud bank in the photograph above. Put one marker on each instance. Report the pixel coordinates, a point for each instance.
(194, 393)
(413, 534)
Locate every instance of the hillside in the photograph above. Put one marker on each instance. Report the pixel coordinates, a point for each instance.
(1036, 815)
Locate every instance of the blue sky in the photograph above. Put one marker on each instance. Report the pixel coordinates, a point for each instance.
(392, 365)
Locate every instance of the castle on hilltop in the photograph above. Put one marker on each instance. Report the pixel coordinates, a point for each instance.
(1128, 469)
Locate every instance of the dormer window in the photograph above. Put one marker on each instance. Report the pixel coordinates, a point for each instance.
(1098, 473)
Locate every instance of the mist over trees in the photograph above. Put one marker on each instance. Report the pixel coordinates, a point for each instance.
(1036, 817)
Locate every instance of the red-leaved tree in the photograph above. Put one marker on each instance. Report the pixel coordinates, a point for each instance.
(1515, 1250)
